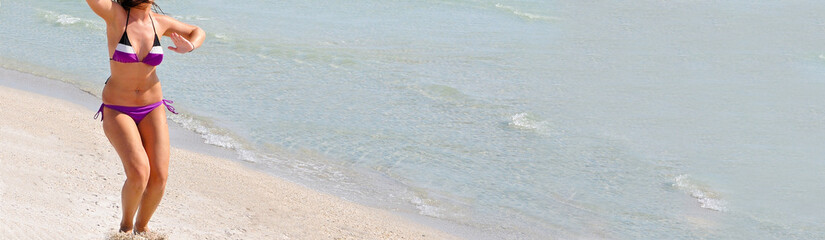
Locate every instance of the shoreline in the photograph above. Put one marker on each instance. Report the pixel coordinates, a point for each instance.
(58, 163)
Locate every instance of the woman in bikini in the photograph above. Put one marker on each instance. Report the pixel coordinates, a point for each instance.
(132, 118)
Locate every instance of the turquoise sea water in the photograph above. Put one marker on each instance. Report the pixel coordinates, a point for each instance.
(506, 119)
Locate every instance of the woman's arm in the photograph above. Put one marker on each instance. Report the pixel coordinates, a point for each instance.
(103, 8)
(186, 37)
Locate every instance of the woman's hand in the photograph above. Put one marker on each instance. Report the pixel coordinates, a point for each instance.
(181, 44)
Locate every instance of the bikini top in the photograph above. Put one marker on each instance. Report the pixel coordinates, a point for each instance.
(125, 53)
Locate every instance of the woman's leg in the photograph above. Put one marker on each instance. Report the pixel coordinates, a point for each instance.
(154, 132)
(122, 132)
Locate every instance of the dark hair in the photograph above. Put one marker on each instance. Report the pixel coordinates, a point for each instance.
(128, 4)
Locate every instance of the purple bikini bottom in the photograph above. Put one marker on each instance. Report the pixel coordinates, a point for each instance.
(137, 113)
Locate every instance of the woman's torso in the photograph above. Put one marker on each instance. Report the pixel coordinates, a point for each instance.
(132, 84)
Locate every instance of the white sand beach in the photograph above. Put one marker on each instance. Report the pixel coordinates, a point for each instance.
(60, 179)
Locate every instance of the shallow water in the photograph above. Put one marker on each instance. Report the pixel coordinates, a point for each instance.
(521, 119)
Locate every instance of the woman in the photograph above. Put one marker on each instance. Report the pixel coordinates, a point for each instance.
(132, 117)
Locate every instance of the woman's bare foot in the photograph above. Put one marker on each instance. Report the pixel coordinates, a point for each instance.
(126, 228)
(124, 236)
(149, 235)
(142, 229)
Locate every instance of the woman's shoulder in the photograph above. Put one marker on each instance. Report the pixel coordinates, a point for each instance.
(163, 17)
(165, 21)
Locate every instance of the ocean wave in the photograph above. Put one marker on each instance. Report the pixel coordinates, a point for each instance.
(213, 136)
(523, 14)
(226, 40)
(69, 20)
(527, 121)
(426, 207)
(707, 198)
(223, 37)
(442, 92)
(191, 18)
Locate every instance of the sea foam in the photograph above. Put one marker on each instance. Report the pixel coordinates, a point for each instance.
(213, 137)
(523, 14)
(191, 18)
(707, 198)
(527, 121)
(425, 206)
(69, 20)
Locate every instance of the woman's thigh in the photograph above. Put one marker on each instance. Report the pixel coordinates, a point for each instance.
(124, 136)
(154, 132)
